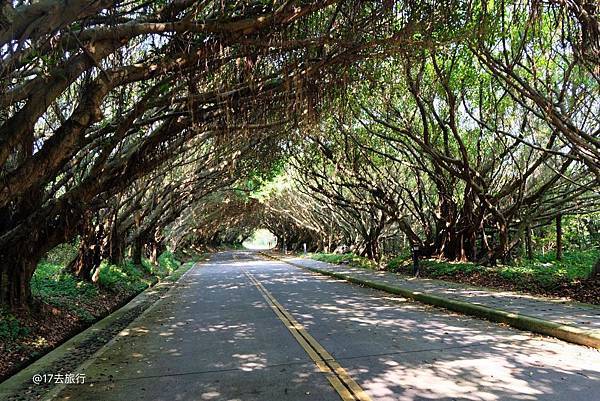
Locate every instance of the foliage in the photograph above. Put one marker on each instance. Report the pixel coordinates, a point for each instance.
(455, 147)
(168, 262)
(124, 278)
(190, 255)
(131, 278)
(180, 271)
(345, 258)
(440, 268)
(398, 261)
(458, 129)
(147, 266)
(54, 286)
(10, 327)
(543, 270)
(62, 254)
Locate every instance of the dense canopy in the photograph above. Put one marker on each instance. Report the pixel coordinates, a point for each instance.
(459, 127)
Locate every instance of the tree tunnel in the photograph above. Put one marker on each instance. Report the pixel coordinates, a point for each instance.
(131, 128)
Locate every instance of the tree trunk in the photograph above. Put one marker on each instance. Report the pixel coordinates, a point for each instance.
(473, 245)
(492, 254)
(372, 248)
(559, 245)
(22, 248)
(463, 253)
(156, 248)
(116, 244)
(138, 247)
(503, 251)
(88, 259)
(154, 254)
(596, 269)
(528, 244)
(15, 279)
(116, 250)
(89, 255)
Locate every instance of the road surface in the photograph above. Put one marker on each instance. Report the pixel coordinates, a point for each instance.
(242, 328)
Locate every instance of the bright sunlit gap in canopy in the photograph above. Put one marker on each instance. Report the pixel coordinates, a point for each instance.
(260, 239)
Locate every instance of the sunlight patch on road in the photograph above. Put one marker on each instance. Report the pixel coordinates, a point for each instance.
(337, 376)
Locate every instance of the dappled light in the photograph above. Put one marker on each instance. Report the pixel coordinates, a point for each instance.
(227, 344)
(442, 357)
(263, 200)
(562, 311)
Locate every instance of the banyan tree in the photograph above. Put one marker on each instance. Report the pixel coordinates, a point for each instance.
(118, 120)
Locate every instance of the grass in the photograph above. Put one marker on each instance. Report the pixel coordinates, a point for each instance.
(350, 259)
(543, 270)
(399, 261)
(24, 336)
(548, 271)
(181, 270)
(54, 286)
(127, 277)
(10, 327)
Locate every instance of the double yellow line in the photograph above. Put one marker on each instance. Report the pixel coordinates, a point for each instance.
(341, 381)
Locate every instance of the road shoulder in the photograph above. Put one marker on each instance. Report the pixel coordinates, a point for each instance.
(72, 354)
(517, 319)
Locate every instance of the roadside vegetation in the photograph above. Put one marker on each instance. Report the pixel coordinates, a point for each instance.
(64, 304)
(543, 274)
(349, 259)
(466, 129)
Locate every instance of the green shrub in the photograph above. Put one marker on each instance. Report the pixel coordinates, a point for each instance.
(399, 262)
(54, 286)
(440, 268)
(147, 266)
(10, 327)
(350, 258)
(548, 271)
(180, 271)
(542, 270)
(126, 277)
(168, 262)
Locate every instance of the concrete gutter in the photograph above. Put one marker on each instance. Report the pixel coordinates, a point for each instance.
(48, 362)
(523, 322)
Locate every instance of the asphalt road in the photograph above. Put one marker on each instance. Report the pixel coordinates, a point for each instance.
(243, 328)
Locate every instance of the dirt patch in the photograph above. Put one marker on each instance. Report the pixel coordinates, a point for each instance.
(50, 326)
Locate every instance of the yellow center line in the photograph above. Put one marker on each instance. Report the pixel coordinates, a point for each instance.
(338, 377)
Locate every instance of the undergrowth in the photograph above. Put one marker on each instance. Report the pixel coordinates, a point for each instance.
(543, 270)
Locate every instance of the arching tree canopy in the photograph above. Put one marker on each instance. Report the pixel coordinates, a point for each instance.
(458, 126)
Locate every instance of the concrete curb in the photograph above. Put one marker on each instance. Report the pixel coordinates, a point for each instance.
(16, 381)
(523, 322)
